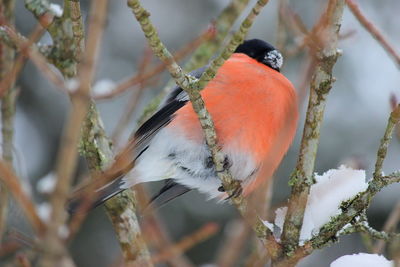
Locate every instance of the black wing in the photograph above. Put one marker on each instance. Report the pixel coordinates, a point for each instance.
(173, 102)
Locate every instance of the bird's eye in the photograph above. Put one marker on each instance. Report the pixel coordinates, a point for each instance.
(274, 59)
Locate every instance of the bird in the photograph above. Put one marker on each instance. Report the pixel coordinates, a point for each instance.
(254, 108)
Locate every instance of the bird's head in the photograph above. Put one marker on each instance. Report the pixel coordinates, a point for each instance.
(263, 52)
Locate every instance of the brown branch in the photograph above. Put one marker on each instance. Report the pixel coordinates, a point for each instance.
(321, 84)
(29, 50)
(389, 226)
(134, 99)
(140, 78)
(186, 243)
(12, 75)
(383, 147)
(9, 179)
(23, 260)
(8, 102)
(374, 31)
(237, 235)
(68, 152)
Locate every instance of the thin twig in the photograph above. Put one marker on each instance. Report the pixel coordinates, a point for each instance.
(10, 77)
(133, 101)
(236, 236)
(374, 31)
(186, 243)
(389, 226)
(23, 260)
(30, 50)
(140, 78)
(12, 182)
(382, 151)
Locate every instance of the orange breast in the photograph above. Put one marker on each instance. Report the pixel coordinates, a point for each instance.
(254, 109)
(252, 106)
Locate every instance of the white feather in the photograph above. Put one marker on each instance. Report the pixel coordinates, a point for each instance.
(172, 155)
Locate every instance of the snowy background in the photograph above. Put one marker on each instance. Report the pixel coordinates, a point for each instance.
(355, 117)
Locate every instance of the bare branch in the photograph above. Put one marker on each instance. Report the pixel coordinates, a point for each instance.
(382, 151)
(8, 177)
(388, 227)
(8, 101)
(140, 78)
(187, 242)
(374, 31)
(236, 237)
(67, 156)
(321, 84)
(12, 74)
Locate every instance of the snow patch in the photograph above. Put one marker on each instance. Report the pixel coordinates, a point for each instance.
(269, 225)
(362, 260)
(44, 211)
(63, 231)
(56, 9)
(280, 215)
(326, 195)
(103, 86)
(46, 184)
(72, 84)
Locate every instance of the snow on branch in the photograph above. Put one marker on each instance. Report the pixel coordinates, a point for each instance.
(362, 260)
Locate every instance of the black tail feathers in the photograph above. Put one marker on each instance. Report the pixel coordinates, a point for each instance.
(86, 198)
(168, 192)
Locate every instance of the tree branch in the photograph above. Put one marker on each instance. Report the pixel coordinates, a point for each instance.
(96, 148)
(321, 83)
(54, 251)
(8, 101)
(9, 179)
(374, 31)
(382, 151)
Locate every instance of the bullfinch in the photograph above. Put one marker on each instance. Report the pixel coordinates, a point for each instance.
(255, 112)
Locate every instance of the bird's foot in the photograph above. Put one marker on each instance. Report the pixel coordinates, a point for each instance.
(237, 189)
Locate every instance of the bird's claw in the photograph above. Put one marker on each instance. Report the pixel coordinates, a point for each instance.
(236, 192)
(227, 163)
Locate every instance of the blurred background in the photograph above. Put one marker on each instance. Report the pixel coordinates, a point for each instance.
(355, 117)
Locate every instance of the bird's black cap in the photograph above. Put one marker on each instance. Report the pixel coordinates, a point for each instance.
(261, 51)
